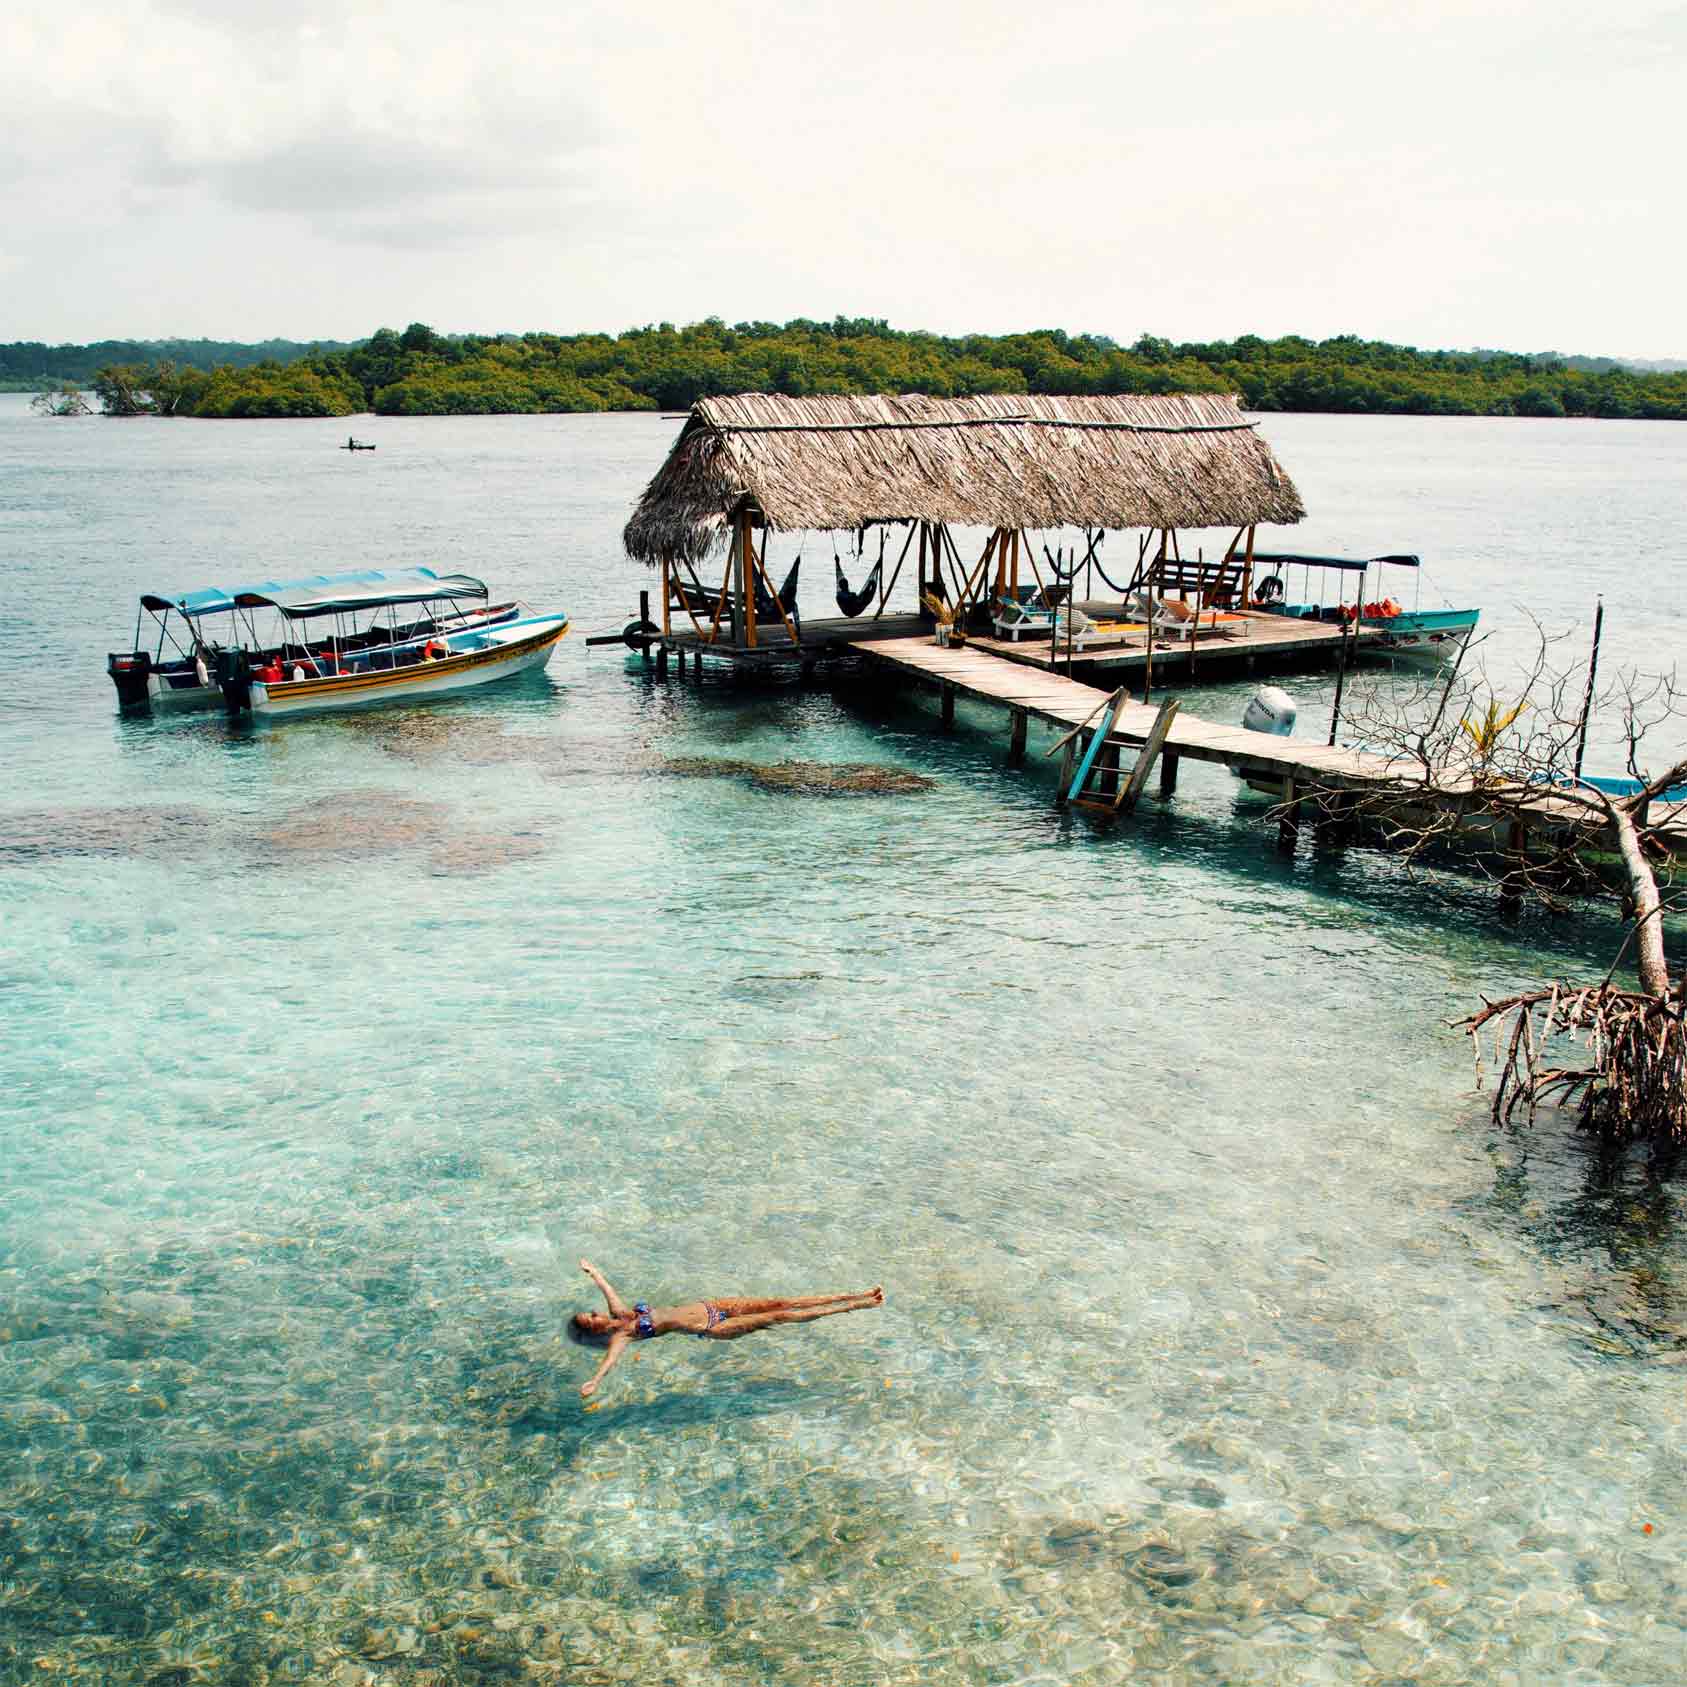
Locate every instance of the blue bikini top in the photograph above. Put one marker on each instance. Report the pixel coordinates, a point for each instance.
(642, 1326)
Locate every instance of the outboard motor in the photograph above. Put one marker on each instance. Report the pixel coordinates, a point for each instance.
(1270, 709)
(234, 678)
(129, 670)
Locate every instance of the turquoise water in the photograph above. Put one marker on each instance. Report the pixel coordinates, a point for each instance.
(1224, 1339)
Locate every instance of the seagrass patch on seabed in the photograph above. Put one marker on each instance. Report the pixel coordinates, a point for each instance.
(804, 778)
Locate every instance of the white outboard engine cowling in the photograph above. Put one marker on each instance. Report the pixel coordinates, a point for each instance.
(1270, 709)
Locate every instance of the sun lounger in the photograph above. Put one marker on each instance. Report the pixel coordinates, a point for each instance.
(1173, 618)
(1014, 621)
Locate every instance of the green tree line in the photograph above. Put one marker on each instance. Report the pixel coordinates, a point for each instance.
(422, 373)
(32, 365)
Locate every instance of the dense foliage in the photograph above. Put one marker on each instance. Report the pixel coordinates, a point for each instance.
(29, 364)
(422, 373)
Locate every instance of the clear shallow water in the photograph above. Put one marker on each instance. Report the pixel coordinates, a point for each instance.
(1224, 1340)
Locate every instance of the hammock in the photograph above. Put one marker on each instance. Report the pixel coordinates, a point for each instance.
(852, 603)
(768, 608)
(1067, 575)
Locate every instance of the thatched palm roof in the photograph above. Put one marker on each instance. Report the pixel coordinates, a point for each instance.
(998, 460)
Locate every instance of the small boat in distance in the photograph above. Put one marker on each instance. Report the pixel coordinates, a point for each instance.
(1418, 633)
(357, 445)
(335, 641)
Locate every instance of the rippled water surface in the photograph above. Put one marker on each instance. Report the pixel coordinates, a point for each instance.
(1224, 1339)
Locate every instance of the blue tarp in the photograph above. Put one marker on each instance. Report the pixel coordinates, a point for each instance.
(323, 594)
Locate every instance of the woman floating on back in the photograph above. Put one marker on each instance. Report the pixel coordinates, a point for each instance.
(716, 1320)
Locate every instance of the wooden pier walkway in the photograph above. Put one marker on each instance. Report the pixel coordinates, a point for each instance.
(1298, 768)
(1065, 703)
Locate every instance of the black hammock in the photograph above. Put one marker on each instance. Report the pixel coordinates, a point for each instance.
(852, 603)
(768, 608)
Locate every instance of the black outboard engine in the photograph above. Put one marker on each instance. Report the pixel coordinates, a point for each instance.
(234, 678)
(129, 670)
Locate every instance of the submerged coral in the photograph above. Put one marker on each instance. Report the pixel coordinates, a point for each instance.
(804, 778)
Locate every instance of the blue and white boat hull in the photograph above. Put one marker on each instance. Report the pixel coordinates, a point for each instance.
(471, 659)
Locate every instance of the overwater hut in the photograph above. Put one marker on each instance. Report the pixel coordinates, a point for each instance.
(1006, 463)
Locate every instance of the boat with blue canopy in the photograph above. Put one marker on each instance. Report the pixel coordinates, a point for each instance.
(286, 646)
(1414, 632)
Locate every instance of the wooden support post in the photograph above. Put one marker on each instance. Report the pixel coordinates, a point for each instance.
(921, 595)
(747, 548)
(1248, 572)
(1168, 773)
(734, 584)
(667, 594)
(1068, 762)
(1288, 830)
(948, 704)
(1335, 817)
(679, 661)
(1016, 742)
(1013, 577)
(1517, 866)
(1341, 668)
(661, 661)
(644, 621)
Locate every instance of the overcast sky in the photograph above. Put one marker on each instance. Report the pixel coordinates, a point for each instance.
(1437, 173)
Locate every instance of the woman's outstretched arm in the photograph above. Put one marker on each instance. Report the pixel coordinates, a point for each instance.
(616, 1343)
(616, 1305)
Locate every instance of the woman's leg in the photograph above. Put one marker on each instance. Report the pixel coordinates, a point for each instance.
(744, 1324)
(740, 1306)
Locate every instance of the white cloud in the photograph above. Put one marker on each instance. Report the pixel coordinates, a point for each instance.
(1447, 174)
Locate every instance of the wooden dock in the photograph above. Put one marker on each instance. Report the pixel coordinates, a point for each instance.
(1301, 770)
(822, 638)
(1066, 703)
(1276, 640)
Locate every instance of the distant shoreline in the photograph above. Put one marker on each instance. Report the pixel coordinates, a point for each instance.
(666, 369)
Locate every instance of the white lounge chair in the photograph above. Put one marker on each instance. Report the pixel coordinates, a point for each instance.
(1013, 621)
(1073, 626)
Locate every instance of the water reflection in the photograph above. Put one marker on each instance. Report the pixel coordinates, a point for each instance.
(1611, 1221)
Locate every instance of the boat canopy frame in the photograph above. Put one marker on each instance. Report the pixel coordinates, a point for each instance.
(323, 594)
(1280, 561)
(309, 598)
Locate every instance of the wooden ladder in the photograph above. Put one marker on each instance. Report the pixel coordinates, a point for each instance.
(1111, 796)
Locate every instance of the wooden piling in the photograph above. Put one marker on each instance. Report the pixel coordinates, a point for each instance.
(948, 704)
(1517, 866)
(1333, 819)
(1016, 742)
(1288, 829)
(661, 661)
(1168, 773)
(747, 548)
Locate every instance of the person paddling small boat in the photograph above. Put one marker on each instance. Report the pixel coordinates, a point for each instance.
(722, 1319)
